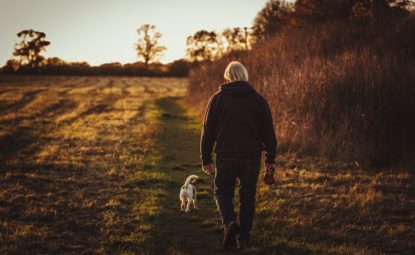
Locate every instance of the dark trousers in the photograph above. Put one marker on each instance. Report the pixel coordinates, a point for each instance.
(228, 170)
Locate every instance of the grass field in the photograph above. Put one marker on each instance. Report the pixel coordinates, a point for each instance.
(93, 165)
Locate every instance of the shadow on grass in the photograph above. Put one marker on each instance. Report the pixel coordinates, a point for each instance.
(177, 143)
(199, 232)
(69, 202)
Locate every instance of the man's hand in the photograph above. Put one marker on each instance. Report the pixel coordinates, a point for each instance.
(270, 168)
(208, 169)
(269, 173)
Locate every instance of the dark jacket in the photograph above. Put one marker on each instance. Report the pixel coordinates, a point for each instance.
(239, 120)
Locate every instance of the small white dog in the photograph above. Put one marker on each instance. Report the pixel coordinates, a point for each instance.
(188, 194)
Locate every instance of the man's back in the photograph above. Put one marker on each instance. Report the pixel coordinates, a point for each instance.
(238, 119)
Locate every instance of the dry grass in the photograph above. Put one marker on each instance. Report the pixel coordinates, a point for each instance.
(73, 163)
(330, 208)
(94, 166)
(342, 90)
(344, 102)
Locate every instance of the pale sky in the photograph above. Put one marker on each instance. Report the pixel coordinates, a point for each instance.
(102, 31)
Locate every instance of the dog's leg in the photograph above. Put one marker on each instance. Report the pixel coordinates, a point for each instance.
(182, 206)
(188, 205)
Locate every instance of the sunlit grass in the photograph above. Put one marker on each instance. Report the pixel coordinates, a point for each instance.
(75, 162)
(105, 179)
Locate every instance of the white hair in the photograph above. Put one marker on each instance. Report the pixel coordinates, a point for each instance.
(235, 71)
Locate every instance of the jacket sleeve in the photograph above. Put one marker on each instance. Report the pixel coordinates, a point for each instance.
(268, 133)
(207, 139)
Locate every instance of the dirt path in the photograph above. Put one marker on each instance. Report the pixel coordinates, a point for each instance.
(90, 167)
(198, 232)
(93, 165)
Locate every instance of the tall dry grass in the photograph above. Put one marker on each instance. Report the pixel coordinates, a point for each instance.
(344, 90)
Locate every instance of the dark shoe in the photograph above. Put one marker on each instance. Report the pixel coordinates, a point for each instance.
(229, 240)
(243, 243)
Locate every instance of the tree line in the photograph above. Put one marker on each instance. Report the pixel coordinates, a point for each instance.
(28, 58)
(204, 46)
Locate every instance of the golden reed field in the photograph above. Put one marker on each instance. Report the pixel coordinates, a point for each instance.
(93, 165)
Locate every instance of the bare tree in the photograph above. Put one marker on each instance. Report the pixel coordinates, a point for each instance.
(28, 50)
(236, 38)
(203, 45)
(272, 18)
(147, 45)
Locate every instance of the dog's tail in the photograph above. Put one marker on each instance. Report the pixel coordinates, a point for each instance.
(190, 179)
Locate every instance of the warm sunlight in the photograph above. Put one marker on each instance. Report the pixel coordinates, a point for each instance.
(137, 127)
(105, 31)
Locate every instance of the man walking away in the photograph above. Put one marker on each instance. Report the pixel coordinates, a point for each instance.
(239, 121)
